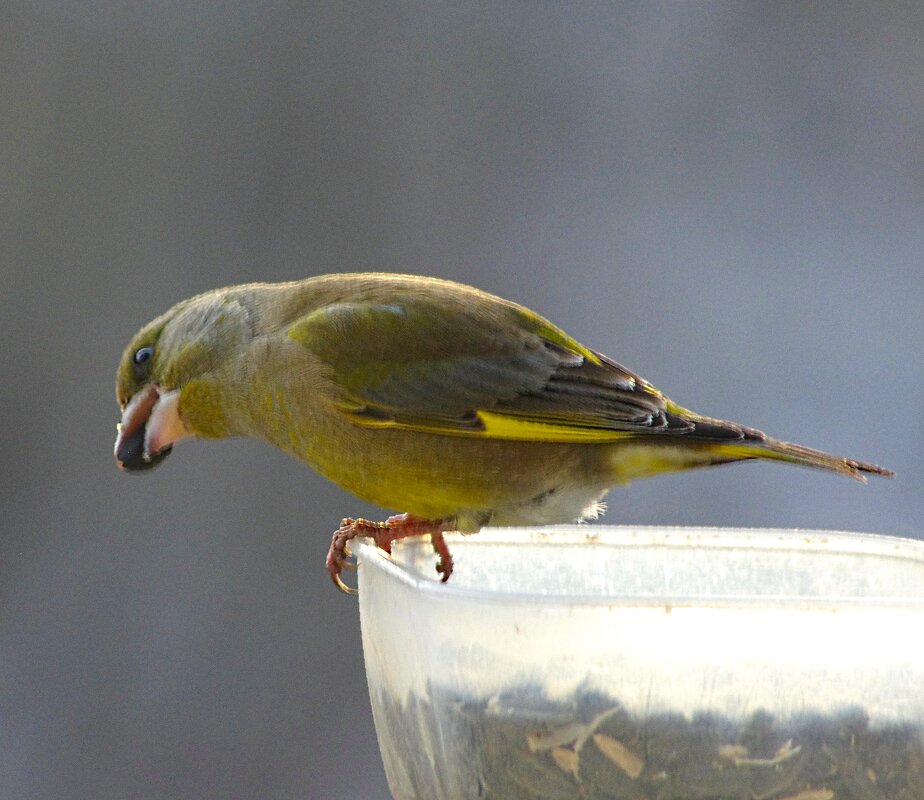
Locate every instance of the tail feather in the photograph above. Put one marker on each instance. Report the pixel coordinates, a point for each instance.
(730, 441)
(797, 454)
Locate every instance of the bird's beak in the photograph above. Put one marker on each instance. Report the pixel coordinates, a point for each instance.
(151, 425)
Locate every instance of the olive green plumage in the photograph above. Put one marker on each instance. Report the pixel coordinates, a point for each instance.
(419, 395)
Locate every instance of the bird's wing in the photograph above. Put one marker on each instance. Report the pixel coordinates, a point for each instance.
(503, 372)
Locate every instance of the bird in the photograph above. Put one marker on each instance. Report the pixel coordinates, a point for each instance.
(456, 407)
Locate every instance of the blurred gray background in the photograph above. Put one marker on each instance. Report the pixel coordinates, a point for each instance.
(726, 197)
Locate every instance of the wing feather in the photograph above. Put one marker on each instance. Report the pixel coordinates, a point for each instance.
(413, 363)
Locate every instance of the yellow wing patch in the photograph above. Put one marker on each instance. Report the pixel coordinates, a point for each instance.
(502, 426)
(498, 426)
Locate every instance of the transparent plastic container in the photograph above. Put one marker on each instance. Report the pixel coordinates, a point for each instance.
(648, 664)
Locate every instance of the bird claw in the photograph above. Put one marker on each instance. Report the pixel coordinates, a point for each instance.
(444, 565)
(400, 526)
(338, 582)
(339, 554)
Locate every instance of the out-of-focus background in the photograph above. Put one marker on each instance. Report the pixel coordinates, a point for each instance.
(726, 197)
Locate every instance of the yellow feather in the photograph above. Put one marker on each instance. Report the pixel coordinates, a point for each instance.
(501, 426)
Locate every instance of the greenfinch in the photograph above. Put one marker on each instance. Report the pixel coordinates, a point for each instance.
(458, 407)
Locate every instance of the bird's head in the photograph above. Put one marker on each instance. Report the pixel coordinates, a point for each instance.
(171, 380)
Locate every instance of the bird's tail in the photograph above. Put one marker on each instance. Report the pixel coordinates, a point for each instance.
(797, 454)
(732, 442)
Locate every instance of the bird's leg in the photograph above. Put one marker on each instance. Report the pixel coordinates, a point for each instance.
(383, 534)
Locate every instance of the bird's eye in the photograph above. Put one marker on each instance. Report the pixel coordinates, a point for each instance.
(143, 354)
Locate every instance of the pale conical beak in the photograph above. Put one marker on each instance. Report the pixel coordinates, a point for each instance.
(151, 424)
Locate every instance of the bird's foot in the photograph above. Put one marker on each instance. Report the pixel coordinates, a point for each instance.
(444, 565)
(383, 534)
